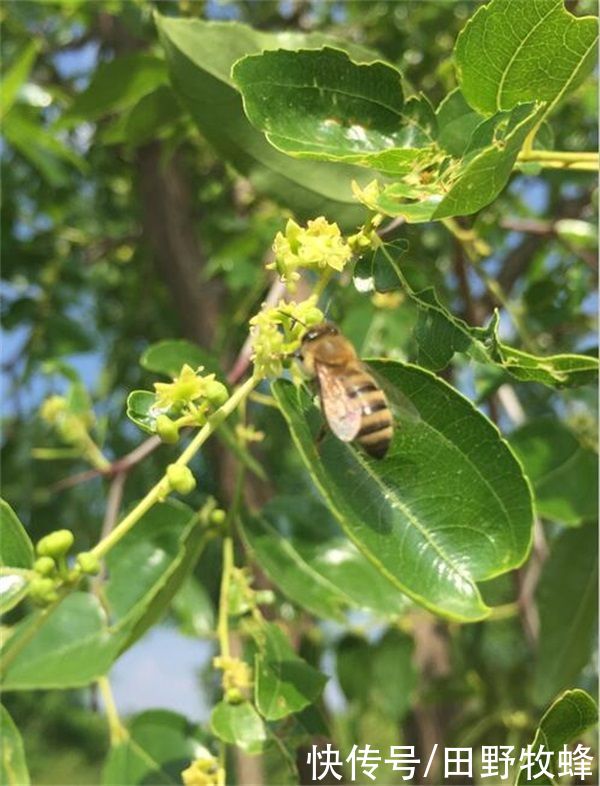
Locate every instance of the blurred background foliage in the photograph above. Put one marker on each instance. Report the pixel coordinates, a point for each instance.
(121, 226)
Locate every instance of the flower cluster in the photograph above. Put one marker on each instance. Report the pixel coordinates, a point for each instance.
(72, 427)
(319, 245)
(190, 397)
(51, 572)
(276, 333)
(203, 771)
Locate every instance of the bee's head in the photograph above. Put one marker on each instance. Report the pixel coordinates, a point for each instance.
(317, 331)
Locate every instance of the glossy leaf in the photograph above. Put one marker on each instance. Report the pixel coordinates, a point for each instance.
(553, 370)
(141, 409)
(13, 588)
(447, 507)
(284, 683)
(563, 471)
(512, 52)
(13, 766)
(567, 599)
(16, 549)
(456, 121)
(71, 646)
(193, 609)
(320, 104)
(161, 551)
(372, 271)
(240, 725)
(160, 745)
(464, 185)
(167, 357)
(567, 718)
(482, 177)
(200, 56)
(378, 674)
(440, 334)
(297, 542)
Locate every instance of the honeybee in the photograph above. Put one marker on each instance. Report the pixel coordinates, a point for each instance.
(354, 405)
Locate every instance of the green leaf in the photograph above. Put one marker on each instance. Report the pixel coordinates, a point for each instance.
(447, 507)
(567, 599)
(153, 114)
(161, 551)
(372, 271)
(439, 335)
(284, 683)
(16, 549)
(141, 409)
(116, 85)
(67, 646)
(512, 52)
(456, 122)
(461, 186)
(378, 675)
(567, 718)
(167, 357)
(13, 767)
(193, 609)
(200, 56)
(482, 177)
(319, 104)
(17, 75)
(563, 471)
(240, 725)
(13, 588)
(160, 745)
(558, 371)
(298, 544)
(42, 149)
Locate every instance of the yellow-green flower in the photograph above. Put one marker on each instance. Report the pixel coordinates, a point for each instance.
(318, 246)
(52, 408)
(276, 333)
(185, 388)
(369, 195)
(203, 771)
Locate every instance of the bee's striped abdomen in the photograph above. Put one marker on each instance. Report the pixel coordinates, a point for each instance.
(376, 427)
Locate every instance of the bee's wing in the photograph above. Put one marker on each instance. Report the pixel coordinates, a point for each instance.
(342, 412)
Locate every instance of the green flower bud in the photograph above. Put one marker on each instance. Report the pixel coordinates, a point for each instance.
(43, 591)
(167, 430)
(234, 696)
(55, 544)
(180, 478)
(216, 393)
(218, 517)
(88, 563)
(45, 566)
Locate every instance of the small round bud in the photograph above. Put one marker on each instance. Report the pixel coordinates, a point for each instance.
(45, 566)
(88, 563)
(180, 478)
(55, 544)
(167, 430)
(216, 393)
(42, 591)
(234, 696)
(218, 517)
(52, 408)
